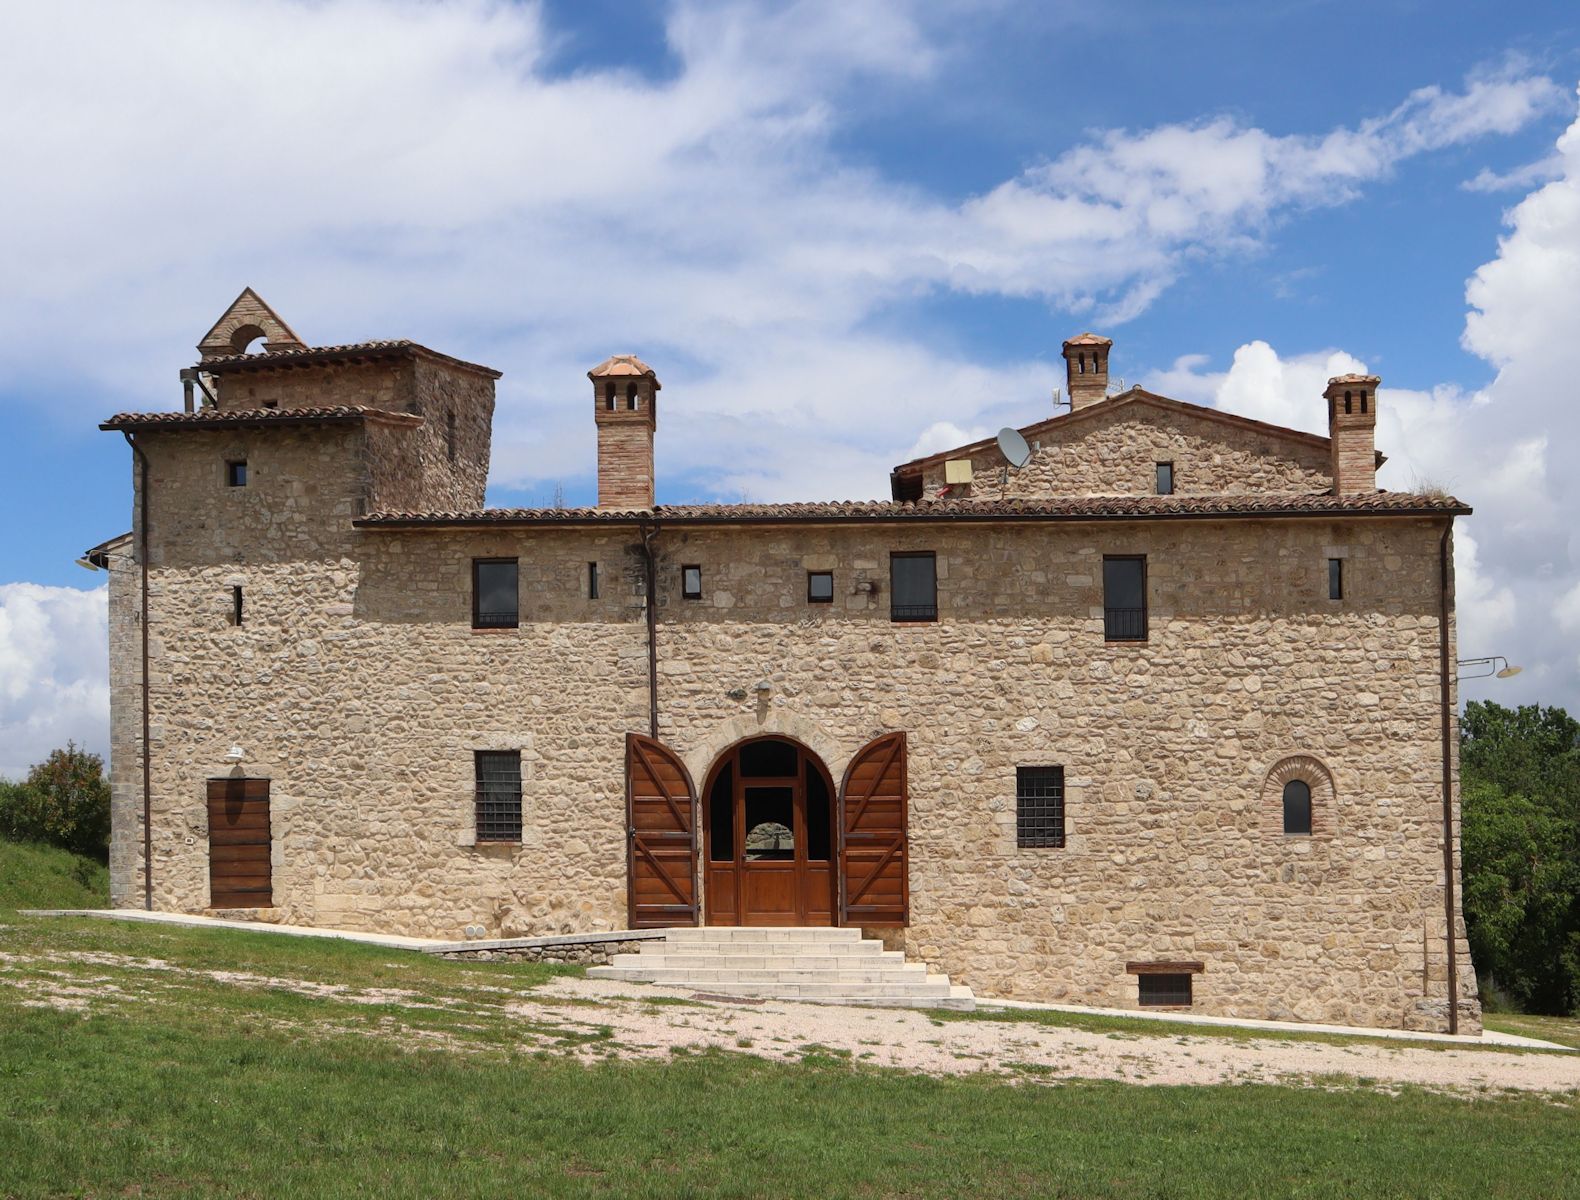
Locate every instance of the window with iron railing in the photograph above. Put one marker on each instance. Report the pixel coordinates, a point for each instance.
(1125, 598)
(495, 593)
(498, 795)
(1163, 990)
(913, 586)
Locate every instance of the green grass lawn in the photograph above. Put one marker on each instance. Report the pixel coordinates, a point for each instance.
(33, 876)
(175, 1083)
(1563, 1030)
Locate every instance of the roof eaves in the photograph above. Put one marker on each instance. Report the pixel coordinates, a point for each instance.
(352, 352)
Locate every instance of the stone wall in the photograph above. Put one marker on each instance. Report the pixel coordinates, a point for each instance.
(1114, 452)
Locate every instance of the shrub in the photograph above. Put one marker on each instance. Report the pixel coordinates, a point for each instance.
(64, 801)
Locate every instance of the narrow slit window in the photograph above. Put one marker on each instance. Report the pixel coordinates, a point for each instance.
(1158, 990)
(913, 586)
(498, 795)
(449, 434)
(631, 403)
(691, 582)
(495, 593)
(592, 581)
(1165, 478)
(1125, 598)
(820, 587)
(1335, 579)
(1039, 807)
(235, 605)
(236, 473)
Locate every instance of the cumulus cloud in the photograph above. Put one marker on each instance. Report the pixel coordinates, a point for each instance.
(54, 647)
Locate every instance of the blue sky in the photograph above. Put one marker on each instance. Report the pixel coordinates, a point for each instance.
(843, 233)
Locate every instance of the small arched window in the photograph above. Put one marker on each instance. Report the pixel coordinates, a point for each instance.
(1297, 807)
(1363, 401)
(630, 396)
(1080, 364)
(608, 396)
(1348, 403)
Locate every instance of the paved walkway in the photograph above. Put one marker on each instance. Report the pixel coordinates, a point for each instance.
(432, 945)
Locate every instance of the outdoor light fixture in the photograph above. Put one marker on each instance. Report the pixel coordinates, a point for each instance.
(1483, 668)
(763, 687)
(235, 754)
(87, 564)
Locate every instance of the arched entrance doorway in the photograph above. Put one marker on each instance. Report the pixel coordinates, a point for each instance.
(768, 817)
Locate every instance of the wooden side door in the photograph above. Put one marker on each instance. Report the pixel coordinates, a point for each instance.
(874, 860)
(661, 836)
(239, 873)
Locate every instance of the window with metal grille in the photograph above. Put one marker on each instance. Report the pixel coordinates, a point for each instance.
(498, 795)
(1156, 989)
(1125, 597)
(820, 587)
(913, 586)
(1039, 806)
(691, 582)
(1165, 478)
(1335, 579)
(495, 601)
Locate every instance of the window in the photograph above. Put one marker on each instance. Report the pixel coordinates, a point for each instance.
(913, 586)
(1165, 479)
(494, 594)
(235, 605)
(820, 587)
(691, 582)
(592, 581)
(236, 473)
(1297, 807)
(1039, 807)
(1335, 579)
(1163, 989)
(608, 396)
(1125, 598)
(498, 795)
(630, 397)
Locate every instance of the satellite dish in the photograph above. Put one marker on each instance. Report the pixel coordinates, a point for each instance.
(1013, 447)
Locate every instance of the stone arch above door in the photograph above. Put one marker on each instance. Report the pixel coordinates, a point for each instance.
(701, 757)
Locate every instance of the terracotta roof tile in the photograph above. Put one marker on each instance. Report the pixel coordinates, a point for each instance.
(352, 351)
(1089, 339)
(210, 418)
(1077, 508)
(621, 365)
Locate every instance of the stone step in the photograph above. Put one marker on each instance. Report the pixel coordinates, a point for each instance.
(803, 962)
(758, 947)
(901, 976)
(765, 933)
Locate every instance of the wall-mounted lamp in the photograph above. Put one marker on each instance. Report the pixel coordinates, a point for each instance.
(235, 754)
(763, 688)
(1484, 668)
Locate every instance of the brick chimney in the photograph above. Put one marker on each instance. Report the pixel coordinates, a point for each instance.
(625, 391)
(1352, 429)
(1086, 369)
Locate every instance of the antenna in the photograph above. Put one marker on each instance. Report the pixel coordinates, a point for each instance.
(1058, 398)
(1013, 447)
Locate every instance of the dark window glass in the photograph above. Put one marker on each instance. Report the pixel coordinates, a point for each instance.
(498, 795)
(592, 581)
(817, 816)
(913, 586)
(235, 604)
(1335, 579)
(1039, 806)
(721, 817)
(768, 760)
(236, 473)
(1297, 806)
(1125, 599)
(691, 582)
(820, 587)
(1166, 479)
(494, 596)
(1164, 989)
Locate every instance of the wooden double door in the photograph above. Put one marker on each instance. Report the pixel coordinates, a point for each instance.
(769, 839)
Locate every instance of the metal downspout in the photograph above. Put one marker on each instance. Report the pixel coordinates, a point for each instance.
(1448, 776)
(142, 563)
(650, 588)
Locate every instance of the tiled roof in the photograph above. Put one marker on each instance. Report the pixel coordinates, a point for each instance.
(1075, 508)
(274, 360)
(211, 418)
(622, 365)
(1089, 339)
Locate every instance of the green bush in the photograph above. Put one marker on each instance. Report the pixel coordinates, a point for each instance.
(64, 801)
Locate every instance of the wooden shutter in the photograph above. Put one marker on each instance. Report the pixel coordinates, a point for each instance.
(874, 884)
(661, 859)
(239, 874)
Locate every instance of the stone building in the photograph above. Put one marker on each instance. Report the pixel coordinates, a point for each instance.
(1149, 704)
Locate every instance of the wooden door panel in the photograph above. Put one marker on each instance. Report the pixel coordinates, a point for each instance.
(874, 850)
(240, 869)
(661, 863)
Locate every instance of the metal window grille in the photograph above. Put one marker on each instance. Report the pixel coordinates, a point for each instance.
(1125, 598)
(498, 795)
(1039, 807)
(1125, 624)
(495, 594)
(1163, 989)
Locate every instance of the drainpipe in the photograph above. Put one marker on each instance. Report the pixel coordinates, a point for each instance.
(1448, 774)
(650, 587)
(142, 562)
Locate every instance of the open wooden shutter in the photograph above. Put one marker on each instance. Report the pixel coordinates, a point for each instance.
(239, 872)
(874, 884)
(661, 859)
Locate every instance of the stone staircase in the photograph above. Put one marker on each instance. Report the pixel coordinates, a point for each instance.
(823, 966)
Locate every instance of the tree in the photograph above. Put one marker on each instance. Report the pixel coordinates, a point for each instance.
(64, 801)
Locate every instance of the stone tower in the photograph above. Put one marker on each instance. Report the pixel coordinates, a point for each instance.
(1352, 431)
(1086, 369)
(625, 394)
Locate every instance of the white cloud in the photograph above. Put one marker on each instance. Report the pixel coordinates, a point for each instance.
(54, 647)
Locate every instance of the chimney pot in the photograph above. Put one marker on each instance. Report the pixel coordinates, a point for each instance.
(625, 409)
(1086, 369)
(1352, 432)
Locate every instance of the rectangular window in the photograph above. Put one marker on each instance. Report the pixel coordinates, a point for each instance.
(235, 605)
(495, 602)
(691, 582)
(1125, 598)
(1039, 807)
(236, 473)
(449, 433)
(820, 587)
(498, 795)
(913, 586)
(1158, 989)
(1165, 479)
(1335, 579)
(592, 581)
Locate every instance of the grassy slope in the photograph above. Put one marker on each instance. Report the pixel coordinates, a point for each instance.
(1563, 1030)
(180, 1084)
(33, 876)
